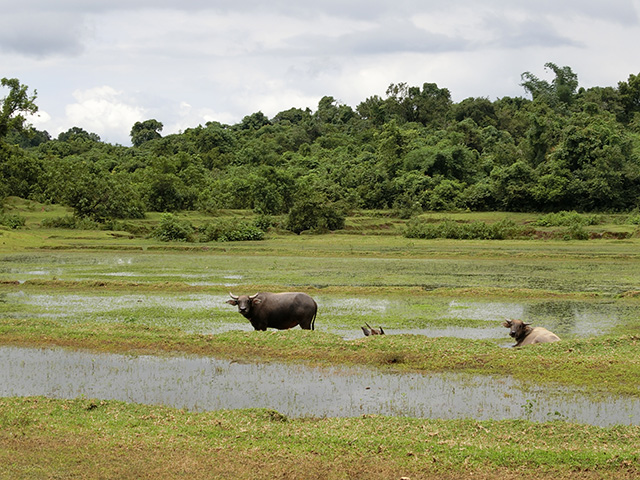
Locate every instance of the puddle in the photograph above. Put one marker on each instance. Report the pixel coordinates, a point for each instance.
(457, 332)
(201, 384)
(357, 305)
(78, 267)
(568, 318)
(210, 314)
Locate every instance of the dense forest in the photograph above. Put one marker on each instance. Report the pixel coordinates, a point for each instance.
(564, 148)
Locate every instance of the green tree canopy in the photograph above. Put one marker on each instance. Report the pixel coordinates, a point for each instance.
(78, 134)
(560, 92)
(630, 96)
(14, 105)
(142, 132)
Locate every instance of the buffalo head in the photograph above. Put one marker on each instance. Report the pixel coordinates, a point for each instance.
(244, 303)
(524, 334)
(517, 328)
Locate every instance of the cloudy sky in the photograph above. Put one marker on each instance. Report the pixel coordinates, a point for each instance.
(104, 64)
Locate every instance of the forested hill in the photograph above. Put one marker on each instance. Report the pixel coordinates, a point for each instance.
(566, 148)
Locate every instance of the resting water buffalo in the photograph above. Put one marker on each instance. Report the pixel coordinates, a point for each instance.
(524, 334)
(369, 330)
(277, 310)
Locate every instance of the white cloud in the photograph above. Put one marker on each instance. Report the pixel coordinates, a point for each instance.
(185, 63)
(103, 110)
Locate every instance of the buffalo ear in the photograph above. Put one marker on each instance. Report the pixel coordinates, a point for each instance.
(256, 301)
(232, 302)
(507, 323)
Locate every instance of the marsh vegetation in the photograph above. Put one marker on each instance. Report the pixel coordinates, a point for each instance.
(441, 302)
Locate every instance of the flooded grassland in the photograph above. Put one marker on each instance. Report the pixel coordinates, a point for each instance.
(440, 396)
(423, 292)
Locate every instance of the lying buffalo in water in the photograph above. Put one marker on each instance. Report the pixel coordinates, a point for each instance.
(369, 330)
(524, 334)
(277, 310)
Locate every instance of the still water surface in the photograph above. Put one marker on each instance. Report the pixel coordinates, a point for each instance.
(203, 383)
(210, 314)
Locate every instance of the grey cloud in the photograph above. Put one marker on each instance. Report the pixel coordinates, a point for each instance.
(42, 27)
(400, 37)
(623, 11)
(391, 37)
(41, 35)
(531, 32)
(388, 38)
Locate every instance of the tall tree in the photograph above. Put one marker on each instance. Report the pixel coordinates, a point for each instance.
(142, 132)
(78, 134)
(428, 106)
(16, 103)
(630, 96)
(560, 92)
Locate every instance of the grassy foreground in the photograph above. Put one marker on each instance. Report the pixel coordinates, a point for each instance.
(83, 438)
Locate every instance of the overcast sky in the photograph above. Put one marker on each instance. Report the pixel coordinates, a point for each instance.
(104, 64)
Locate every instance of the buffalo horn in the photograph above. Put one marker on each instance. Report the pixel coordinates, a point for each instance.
(235, 297)
(253, 296)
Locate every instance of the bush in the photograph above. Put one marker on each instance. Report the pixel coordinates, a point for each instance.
(575, 232)
(12, 221)
(264, 222)
(634, 219)
(71, 222)
(315, 214)
(505, 229)
(172, 229)
(230, 231)
(567, 219)
(405, 207)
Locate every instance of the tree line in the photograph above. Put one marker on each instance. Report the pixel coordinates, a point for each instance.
(564, 148)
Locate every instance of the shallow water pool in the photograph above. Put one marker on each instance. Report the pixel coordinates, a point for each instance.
(202, 383)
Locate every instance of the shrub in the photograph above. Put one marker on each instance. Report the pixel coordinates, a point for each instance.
(134, 228)
(172, 229)
(315, 214)
(634, 219)
(575, 232)
(12, 221)
(230, 231)
(567, 219)
(405, 207)
(264, 222)
(419, 228)
(71, 222)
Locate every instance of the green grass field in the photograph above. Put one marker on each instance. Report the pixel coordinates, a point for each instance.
(440, 301)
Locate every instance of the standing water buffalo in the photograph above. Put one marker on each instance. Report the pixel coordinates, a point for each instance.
(277, 310)
(524, 334)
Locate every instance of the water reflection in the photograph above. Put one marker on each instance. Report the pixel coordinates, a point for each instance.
(210, 314)
(202, 384)
(564, 317)
(453, 331)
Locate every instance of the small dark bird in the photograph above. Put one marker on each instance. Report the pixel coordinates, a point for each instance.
(368, 330)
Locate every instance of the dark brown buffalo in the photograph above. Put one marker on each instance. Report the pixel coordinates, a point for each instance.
(524, 334)
(277, 310)
(369, 330)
